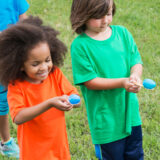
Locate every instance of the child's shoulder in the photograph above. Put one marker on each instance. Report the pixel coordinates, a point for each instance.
(56, 72)
(119, 28)
(121, 31)
(17, 84)
(79, 40)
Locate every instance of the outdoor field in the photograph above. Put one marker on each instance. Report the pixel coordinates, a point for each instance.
(142, 19)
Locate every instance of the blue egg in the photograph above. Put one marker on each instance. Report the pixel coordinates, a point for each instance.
(149, 84)
(74, 99)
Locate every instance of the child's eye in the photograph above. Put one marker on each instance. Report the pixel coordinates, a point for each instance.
(48, 60)
(35, 64)
(109, 14)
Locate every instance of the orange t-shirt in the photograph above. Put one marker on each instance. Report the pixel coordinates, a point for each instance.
(44, 137)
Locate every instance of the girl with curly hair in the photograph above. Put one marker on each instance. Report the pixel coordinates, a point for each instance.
(37, 89)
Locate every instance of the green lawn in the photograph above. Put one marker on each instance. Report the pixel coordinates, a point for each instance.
(141, 17)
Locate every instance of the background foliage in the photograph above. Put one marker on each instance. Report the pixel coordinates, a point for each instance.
(141, 17)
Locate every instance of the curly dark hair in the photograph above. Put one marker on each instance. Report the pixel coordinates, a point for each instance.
(83, 10)
(19, 39)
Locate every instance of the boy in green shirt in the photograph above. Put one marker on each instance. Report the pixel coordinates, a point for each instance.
(107, 65)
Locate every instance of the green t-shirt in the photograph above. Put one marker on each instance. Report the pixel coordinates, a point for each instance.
(111, 113)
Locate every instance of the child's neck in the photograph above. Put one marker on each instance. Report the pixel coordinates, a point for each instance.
(101, 36)
(32, 81)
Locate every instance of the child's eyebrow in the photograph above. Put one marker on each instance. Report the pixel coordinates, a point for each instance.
(35, 61)
(48, 57)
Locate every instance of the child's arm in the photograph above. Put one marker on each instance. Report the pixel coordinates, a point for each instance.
(127, 83)
(106, 83)
(23, 16)
(136, 72)
(29, 113)
(23, 6)
(135, 77)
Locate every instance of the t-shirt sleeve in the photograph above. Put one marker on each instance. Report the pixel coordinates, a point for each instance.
(15, 100)
(65, 86)
(135, 55)
(22, 6)
(81, 66)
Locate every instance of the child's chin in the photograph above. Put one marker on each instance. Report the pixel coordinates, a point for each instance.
(42, 79)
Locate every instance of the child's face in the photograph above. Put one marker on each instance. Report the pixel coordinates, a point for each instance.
(101, 24)
(39, 63)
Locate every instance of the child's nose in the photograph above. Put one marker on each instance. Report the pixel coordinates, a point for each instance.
(43, 66)
(105, 19)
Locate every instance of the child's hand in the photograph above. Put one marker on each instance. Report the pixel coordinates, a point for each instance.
(135, 79)
(127, 85)
(61, 103)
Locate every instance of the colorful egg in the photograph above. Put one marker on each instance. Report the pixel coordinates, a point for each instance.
(74, 99)
(149, 84)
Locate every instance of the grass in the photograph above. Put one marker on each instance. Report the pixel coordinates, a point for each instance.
(142, 20)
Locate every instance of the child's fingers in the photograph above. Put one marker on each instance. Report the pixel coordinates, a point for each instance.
(65, 107)
(136, 85)
(68, 109)
(137, 81)
(130, 85)
(134, 89)
(64, 98)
